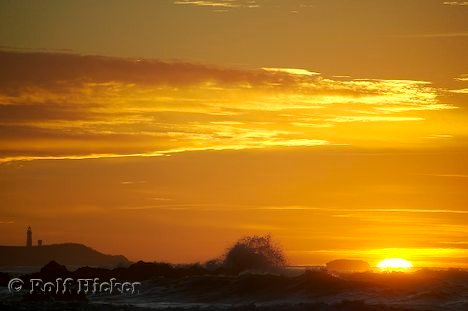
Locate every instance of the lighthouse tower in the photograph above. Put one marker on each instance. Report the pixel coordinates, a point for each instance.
(29, 237)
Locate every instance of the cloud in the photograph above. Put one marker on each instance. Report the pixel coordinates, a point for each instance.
(440, 136)
(373, 119)
(437, 35)
(456, 3)
(67, 106)
(463, 77)
(365, 210)
(459, 91)
(61, 70)
(293, 71)
(220, 3)
(450, 175)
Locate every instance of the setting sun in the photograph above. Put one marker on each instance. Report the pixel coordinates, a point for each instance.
(394, 264)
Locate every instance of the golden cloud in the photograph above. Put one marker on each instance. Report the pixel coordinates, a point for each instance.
(220, 3)
(56, 106)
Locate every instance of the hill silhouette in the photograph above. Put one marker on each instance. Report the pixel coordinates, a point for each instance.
(67, 254)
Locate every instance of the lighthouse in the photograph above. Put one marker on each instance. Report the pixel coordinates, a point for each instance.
(29, 237)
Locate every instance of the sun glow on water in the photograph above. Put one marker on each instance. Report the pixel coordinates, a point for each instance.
(394, 264)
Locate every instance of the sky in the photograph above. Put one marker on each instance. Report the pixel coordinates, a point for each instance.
(167, 129)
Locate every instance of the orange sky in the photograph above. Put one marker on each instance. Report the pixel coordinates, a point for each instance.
(168, 129)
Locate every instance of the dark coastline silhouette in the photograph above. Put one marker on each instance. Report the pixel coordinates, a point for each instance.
(67, 254)
(251, 275)
(192, 286)
(72, 254)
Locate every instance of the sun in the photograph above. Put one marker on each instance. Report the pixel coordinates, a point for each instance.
(395, 264)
